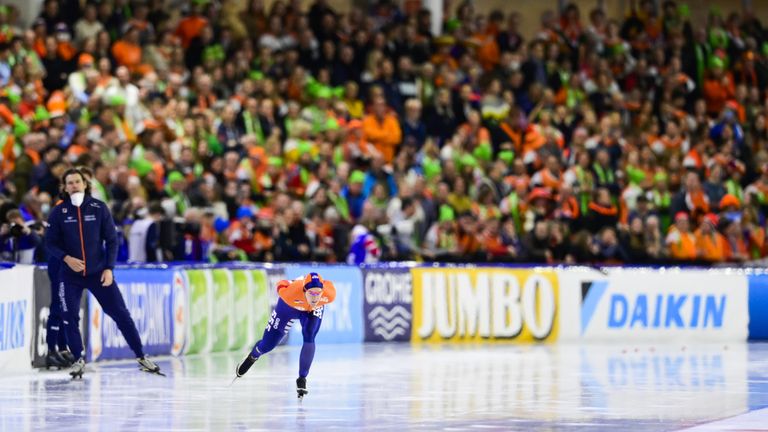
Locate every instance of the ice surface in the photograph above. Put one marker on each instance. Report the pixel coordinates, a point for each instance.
(403, 387)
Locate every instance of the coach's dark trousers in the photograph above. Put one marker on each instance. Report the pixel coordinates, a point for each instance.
(111, 301)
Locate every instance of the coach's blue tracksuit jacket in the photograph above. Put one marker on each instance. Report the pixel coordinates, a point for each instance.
(86, 232)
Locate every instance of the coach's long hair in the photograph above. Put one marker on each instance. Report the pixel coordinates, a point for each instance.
(68, 173)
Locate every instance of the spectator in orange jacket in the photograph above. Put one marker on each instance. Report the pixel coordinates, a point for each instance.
(127, 51)
(718, 87)
(710, 244)
(680, 241)
(382, 129)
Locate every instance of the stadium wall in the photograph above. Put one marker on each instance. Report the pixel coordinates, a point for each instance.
(184, 309)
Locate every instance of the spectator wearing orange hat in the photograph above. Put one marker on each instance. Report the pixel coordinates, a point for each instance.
(711, 245)
(681, 243)
(355, 145)
(78, 81)
(540, 207)
(57, 104)
(729, 203)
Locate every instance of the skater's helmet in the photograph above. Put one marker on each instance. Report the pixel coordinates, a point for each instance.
(313, 280)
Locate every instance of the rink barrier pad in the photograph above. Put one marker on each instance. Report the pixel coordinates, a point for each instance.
(200, 308)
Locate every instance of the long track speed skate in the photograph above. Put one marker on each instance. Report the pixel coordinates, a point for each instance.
(301, 387)
(147, 365)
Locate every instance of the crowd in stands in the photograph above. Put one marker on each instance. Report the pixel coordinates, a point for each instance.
(305, 134)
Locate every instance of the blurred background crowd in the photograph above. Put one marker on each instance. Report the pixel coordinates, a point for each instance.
(285, 133)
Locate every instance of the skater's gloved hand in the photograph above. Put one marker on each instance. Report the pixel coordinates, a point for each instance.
(106, 277)
(75, 264)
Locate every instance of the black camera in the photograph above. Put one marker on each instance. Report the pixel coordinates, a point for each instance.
(16, 230)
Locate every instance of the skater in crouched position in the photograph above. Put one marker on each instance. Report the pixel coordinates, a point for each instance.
(302, 299)
(82, 235)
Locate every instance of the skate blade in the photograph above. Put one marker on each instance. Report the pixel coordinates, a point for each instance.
(154, 372)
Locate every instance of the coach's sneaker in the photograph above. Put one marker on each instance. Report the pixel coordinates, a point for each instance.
(77, 369)
(301, 387)
(244, 365)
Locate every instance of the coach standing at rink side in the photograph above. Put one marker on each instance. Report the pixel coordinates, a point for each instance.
(82, 235)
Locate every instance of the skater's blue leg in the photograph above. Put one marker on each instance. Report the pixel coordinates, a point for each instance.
(310, 325)
(305, 361)
(276, 328)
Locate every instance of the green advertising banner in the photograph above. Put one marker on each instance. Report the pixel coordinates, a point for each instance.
(223, 305)
(260, 304)
(243, 294)
(200, 305)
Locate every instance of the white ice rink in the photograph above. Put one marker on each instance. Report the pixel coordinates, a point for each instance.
(404, 387)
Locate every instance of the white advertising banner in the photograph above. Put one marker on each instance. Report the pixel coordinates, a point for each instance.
(16, 318)
(654, 305)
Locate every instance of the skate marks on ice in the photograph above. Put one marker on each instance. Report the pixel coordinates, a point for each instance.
(403, 387)
(751, 421)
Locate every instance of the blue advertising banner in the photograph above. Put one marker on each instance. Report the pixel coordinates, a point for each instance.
(388, 304)
(342, 319)
(148, 296)
(758, 304)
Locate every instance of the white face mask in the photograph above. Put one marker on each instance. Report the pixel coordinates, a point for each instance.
(77, 198)
(45, 208)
